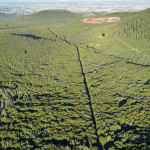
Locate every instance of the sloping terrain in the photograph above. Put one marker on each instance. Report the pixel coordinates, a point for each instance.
(132, 33)
(3, 16)
(65, 84)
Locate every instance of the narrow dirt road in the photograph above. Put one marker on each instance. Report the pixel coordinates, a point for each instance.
(134, 49)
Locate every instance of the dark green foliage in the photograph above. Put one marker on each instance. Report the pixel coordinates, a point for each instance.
(138, 27)
(63, 85)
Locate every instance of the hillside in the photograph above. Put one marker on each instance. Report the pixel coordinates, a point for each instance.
(53, 16)
(139, 27)
(4, 16)
(66, 84)
(129, 38)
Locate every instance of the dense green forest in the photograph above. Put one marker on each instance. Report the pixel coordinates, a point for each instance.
(68, 85)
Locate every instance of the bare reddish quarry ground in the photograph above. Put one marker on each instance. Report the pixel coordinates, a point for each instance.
(100, 20)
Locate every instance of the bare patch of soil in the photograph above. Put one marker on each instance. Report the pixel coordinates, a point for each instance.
(100, 20)
(97, 45)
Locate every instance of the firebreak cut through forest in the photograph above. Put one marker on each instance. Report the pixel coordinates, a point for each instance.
(70, 85)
